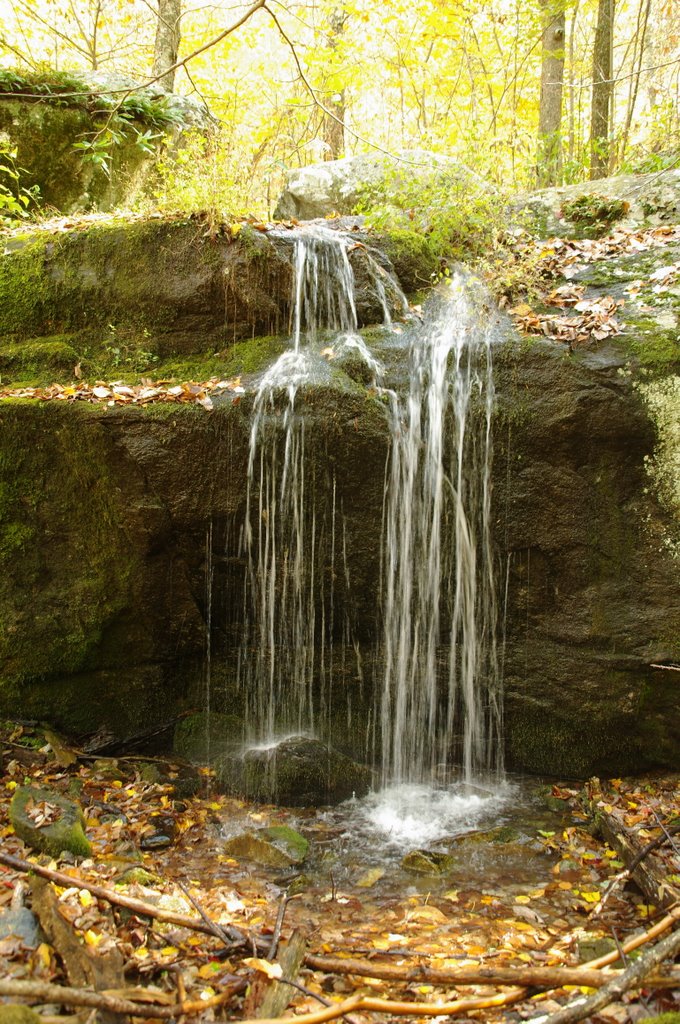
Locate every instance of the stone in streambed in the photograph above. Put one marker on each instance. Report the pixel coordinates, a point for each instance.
(427, 862)
(62, 826)
(277, 846)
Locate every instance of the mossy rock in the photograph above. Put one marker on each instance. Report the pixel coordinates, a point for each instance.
(412, 257)
(427, 862)
(66, 833)
(12, 1013)
(277, 846)
(672, 1017)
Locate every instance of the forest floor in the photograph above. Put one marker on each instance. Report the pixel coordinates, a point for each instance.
(373, 947)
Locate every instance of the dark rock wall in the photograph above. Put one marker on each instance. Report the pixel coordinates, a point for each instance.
(593, 593)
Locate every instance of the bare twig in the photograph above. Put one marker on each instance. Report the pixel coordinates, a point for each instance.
(42, 992)
(217, 929)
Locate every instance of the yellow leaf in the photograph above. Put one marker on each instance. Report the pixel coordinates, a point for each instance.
(92, 938)
(263, 966)
(522, 899)
(209, 969)
(169, 951)
(525, 957)
(11, 784)
(564, 885)
(214, 806)
(44, 953)
(235, 229)
(141, 953)
(86, 898)
(591, 897)
(117, 784)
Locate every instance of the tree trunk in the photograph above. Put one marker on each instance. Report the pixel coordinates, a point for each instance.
(166, 45)
(549, 153)
(603, 89)
(332, 129)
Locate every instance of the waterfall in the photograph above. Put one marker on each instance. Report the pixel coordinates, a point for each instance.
(440, 696)
(439, 702)
(290, 537)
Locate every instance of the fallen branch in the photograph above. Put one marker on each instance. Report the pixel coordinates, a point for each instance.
(42, 992)
(237, 936)
(529, 976)
(398, 1009)
(611, 993)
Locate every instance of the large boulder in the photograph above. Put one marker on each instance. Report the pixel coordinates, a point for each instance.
(648, 199)
(336, 186)
(82, 142)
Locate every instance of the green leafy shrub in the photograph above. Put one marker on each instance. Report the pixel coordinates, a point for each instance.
(592, 210)
(460, 215)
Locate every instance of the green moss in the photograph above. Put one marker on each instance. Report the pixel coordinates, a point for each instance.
(594, 212)
(654, 347)
(11, 1013)
(67, 832)
(412, 256)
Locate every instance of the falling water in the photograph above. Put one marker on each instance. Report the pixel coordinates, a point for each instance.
(440, 698)
(289, 537)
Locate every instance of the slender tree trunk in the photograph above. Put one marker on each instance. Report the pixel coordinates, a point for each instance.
(549, 154)
(333, 132)
(603, 90)
(166, 45)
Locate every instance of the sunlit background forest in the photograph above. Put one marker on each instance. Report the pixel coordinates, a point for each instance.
(524, 92)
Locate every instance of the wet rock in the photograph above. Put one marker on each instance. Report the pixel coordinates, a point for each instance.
(427, 862)
(277, 846)
(592, 947)
(297, 772)
(501, 835)
(22, 924)
(164, 832)
(48, 822)
(203, 737)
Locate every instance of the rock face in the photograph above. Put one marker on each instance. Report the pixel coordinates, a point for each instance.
(104, 514)
(158, 289)
(336, 185)
(593, 590)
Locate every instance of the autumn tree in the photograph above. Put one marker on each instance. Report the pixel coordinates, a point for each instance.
(166, 45)
(549, 154)
(602, 90)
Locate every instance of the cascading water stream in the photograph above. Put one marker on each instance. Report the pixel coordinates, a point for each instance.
(290, 528)
(439, 702)
(440, 699)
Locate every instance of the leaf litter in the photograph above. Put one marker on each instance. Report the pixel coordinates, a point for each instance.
(378, 915)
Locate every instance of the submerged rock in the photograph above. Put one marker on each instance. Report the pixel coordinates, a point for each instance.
(48, 822)
(277, 846)
(297, 772)
(427, 862)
